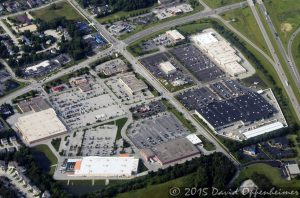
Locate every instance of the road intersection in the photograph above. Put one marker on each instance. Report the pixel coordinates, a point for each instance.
(120, 47)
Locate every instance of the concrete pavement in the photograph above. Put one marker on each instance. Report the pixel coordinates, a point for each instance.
(12, 73)
(288, 62)
(290, 53)
(38, 85)
(278, 67)
(183, 20)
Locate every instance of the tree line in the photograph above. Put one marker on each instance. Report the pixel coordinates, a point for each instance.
(214, 170)
(119, 5)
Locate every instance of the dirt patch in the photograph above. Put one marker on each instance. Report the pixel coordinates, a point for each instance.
(286, 27)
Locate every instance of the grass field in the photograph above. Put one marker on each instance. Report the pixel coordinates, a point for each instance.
(159, 190)
(122, 15)
(220, 3)
(62, 9)
(139, 28)
(270, 172)
(280, 57)
(120, 124)
(192, 28)
(186, 29)
(243, 20)
(285, 16)
(296, 51)
(267, 65)
(206, 144)
(48, 153)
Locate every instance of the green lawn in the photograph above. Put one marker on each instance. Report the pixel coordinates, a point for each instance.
(280, 57)
(28, 95)
(207, 144)
(285, 15)
(159, 190)
(296, 51)
(120, 124)
(62, 9)
(270, 172)
(48, 153)
(243, 20)
(186, 29)
(139, 28)
(187, 123)
(220, 3)
(122, 15)
(192, 28)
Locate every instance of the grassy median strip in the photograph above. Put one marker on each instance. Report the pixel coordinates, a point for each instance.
(187, 123)
(244, 21)
(285, 17)
(296, 51)
(280, 56)
(220, 3)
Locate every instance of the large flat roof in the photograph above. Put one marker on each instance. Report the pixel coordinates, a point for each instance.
(264, 129)
(175, 150)
(205, 38)
(35, 104)
(175, 35)
(133, 83)
(293, 169)
(40, 125)
(106, 166)
(247, 108)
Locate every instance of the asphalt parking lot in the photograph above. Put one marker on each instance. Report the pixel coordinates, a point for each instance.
(152, 64)
(161, 40)
(79, 109)
(197, 63)
(155, 130)
(147, 110)
(118, 89)
(99, 141)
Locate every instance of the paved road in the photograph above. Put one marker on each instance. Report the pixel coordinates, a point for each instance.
(290, 43)
(38, 85)
(121, 48)
(12, 73)
(165, 93)
(183, 20)
(9, 32)
(278, 67)
(228, 25)
(29, 10)
(100, 28)
(289, 63)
